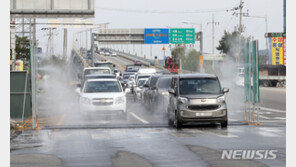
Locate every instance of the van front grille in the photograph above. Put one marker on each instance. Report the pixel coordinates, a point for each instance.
(203, 107)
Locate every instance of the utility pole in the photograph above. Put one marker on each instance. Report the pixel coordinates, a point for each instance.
(65, 44)
(213, 32)
(49, 47)
(240, 26)
(151, 51)
(92, 49)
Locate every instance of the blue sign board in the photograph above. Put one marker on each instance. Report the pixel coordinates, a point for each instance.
(156, 36)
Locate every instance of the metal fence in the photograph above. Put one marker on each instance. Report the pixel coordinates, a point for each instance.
(20, 95)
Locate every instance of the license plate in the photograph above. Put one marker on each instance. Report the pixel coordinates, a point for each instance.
(203, 114)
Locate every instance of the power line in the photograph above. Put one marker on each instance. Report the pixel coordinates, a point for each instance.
(163, 11)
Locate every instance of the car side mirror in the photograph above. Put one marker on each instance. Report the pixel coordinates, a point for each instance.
(172, 91)
(78, 90)
(78, 85)
(225, 90)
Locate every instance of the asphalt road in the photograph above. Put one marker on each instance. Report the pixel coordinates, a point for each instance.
(145, 139)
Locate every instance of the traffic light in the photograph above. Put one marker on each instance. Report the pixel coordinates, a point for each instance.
(198, 36)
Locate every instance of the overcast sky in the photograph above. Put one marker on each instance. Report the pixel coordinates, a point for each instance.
(125, 14)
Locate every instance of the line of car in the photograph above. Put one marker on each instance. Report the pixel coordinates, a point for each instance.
(184, 98)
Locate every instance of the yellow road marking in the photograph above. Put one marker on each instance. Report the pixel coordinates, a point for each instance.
(120, 66)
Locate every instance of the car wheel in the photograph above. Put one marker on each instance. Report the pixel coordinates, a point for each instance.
(177, 122)
(170, 122)
(224, 124)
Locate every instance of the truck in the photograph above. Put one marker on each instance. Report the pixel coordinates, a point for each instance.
(269, 76)
(272, 75)
(171, 64)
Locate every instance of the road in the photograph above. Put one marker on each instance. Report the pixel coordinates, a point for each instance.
(144, 139)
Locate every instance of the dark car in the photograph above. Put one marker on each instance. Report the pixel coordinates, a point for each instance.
(196, 98)
(150, 92)
(138, 63)
(126, 76)
(162, 94)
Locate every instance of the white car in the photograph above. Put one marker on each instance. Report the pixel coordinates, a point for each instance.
(103, 96)
(114, 54)
(96, 70)
(138, 89)
(107, 53)
(240, 80)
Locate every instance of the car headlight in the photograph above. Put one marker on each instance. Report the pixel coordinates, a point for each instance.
(221, 99)
(119, 100)
(85, 100)
(182, 100)
(164, 93)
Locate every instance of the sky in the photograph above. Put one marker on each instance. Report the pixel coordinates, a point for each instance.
(137, 14)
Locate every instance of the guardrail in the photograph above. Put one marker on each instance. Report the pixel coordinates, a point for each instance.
(131, 57)
(85, 64)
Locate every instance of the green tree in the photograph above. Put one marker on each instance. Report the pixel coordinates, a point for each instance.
(22, 48)
(190, 58)
(191, 61)
(229, 43)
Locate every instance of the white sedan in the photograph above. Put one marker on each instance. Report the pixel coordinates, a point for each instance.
(103, 96)
(114, 54)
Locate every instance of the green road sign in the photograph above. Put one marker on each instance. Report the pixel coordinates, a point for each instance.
(182, 36)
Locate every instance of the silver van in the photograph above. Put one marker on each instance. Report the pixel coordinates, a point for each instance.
(196, 98)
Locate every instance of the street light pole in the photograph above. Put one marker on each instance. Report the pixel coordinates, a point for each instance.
(266, 25)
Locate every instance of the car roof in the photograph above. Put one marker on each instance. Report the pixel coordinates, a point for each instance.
(197, 75)
(130, 73)
(92, 68)
(98, 74)
(166, 77)
(102, 79)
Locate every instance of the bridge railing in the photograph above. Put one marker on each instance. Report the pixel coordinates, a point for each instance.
(144, 61)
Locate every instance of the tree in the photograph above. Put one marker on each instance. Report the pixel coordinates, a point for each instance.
(189, 58)
(229, 43)
(22, 48)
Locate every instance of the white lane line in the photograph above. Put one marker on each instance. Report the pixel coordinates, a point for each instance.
(272, 110)
(137, 117)
(272, 118)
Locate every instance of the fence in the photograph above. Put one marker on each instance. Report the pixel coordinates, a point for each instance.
(20, 95)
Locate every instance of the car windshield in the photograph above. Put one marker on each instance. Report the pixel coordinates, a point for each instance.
(126, 76)
(164, 83)
(141, 82)
(145, 76)
(102, 86)
(193, 86)
(100, 76)
(153, 81)
(96, 71)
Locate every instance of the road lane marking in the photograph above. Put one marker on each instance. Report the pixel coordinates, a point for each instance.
(120, 66)
(272, 110)
(137, 117)
(272, 118)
